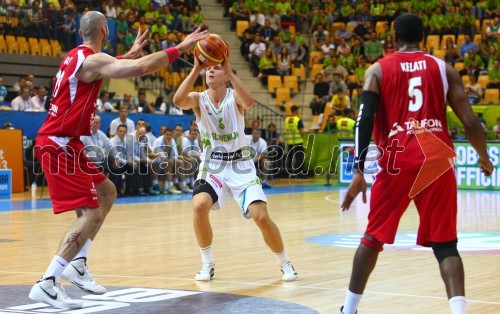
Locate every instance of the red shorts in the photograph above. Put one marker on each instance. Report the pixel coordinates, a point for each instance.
(436, 206)
(71, 176)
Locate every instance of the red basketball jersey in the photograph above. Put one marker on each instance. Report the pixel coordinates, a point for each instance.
(414, 86)
(73, 102)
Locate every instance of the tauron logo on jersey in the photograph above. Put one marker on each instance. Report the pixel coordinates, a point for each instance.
(414, 126)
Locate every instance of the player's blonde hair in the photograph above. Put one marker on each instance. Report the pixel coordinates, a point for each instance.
(90, 25)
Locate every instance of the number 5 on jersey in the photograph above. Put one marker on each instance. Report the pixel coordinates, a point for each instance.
(416, 96)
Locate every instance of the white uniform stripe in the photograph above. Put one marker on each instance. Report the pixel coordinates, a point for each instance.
(442, 70)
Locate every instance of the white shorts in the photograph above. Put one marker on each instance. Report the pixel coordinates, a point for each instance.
(238, 180)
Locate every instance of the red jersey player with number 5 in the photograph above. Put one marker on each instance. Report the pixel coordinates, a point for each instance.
(404, 104)
(74, 182)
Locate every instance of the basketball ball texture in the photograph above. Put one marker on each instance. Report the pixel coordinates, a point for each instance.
(210, 51)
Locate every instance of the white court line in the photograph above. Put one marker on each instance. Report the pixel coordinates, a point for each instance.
(287, 285)
(328, 198)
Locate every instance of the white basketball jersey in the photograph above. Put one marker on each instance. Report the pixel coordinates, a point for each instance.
(222, 129)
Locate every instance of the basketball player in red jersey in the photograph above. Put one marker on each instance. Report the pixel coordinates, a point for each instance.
(74, 182)
(405, 96)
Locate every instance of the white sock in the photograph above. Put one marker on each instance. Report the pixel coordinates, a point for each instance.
(56, 267)
(282, 258)
(84, 250)
(206, 255)
(155, 182)
(458, 305)
(351, 302)
(169, 184)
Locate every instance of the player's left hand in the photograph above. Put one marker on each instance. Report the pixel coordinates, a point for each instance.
(486, 166)
(358, 184)
(141, 40)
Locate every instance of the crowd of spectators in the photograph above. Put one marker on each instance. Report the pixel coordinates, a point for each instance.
(345, 37)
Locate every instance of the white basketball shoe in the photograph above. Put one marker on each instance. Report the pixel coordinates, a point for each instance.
(79, 274)
(289, 273)
(206, 273)
(52, 293)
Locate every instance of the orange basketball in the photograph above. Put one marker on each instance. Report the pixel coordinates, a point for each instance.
(210, 51)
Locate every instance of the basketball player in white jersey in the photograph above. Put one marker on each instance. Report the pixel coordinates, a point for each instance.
(224, 171)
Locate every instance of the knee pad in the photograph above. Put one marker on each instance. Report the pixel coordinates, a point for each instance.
(445, 249)
(372, 243)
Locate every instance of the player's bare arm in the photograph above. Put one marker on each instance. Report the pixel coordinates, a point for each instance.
(364, 130)
(458, 101)
(184, 97)
(141, 40)
(101, 64)
(242, 94)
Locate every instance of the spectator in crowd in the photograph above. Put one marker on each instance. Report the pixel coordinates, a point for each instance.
(103, 103)
(197, 19)
(327, 46)
(321, 95)
(121, 26)
(359, 73)
(347, 123)
(493, 75)
(267, 33)
(274, 18)
(473, 90)
(23, 101)
(21, 82)
(149, 134)
(118, 163)
(358, 49)
(191, 154)
(239, 11)
(185, 20)
(331, 125)
(496, 129)
(347, 60)
(373, 48)
(151, 14)
(284, 62)
(122, 119)
(40, 98)
(273, 136)
(294, 131)
(139, 24)
(318, 19)
(3, 91)
(97, 145)
(451, 54)
(128, 103)
(256, 51)
(340, 101)
(333, 69)
(168, 165)
(267, 66)
(388, 46)
(276, 45)
(160, 28)
(337, 84)
(144, 105)
(454, 134)
(296, 51)
(438, 23)
(363, 30)
(319, 36)
(259, 152)
(69, 30)
(144, 156)
(466, 47)
(473, 63)
(172, 21)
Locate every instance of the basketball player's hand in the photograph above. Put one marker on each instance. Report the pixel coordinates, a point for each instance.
(226, 64)
(198, 65)
(141, 40)
(358, 184)
(486, 166)
(191, 39)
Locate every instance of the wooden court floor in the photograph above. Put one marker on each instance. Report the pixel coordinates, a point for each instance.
(152, 244)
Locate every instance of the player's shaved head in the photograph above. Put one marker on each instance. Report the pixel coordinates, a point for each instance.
(409, 28)
(91, 24)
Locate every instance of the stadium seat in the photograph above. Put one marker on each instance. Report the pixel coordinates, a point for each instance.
(10, 39)
(485, 25)
(351, 78)
(483, 81)
(336, 26)
(443, 40)
(459, 66)
(316, 68)
(24, 48)
(379, 27)
(292, 83)
(460, 40)
(432, 42)
(288, 107)
(273, 83)
(35, 49)
(241, 26)
(282, 96)
(439, 54)
(3, 46)
(56, 49)
(46, 50)
(478, 25)
(176, 80)
(12, 47)
(491, 96)
(314, 123)
(32, 40)
(465, 79)
(44, 41)
(351, 26)
(315, 57)
(292, 29)
(477, 39)
(299, 72)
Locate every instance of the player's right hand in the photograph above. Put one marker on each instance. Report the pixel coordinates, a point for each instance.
(486, 166)
(358, 184)
(192, 39)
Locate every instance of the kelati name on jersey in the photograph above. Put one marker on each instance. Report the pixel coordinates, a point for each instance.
(413, 66)
(225, 137)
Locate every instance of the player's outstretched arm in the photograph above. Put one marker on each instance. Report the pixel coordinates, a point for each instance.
(101, 64)
(242, 94)
(184, 97)
(458, 101)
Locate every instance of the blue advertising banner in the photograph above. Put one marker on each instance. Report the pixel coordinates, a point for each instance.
(5, 183)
